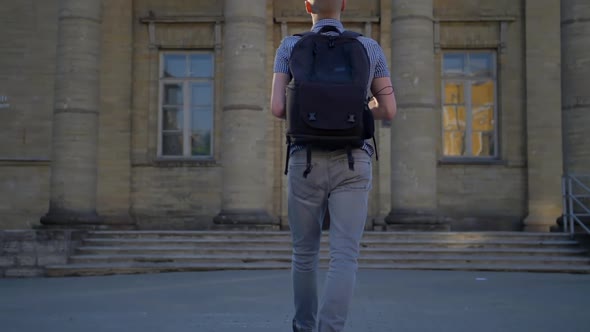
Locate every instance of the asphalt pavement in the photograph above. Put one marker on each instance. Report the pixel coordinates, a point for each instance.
(255, 301)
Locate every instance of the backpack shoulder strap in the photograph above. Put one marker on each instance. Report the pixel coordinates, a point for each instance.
(346, 33)
(304, 34)
(351, 34)
(330, 28)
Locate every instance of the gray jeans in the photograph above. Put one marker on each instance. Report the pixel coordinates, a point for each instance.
(331, 186)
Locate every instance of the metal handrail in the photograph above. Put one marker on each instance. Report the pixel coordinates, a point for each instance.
(573, 203)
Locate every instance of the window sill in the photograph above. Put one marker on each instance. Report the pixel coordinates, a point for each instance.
(472, 162)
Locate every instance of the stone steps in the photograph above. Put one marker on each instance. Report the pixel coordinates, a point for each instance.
(286, 258)
(252, 235)
(179, 250)
(126, 268)
(122, 252)
(366, 243)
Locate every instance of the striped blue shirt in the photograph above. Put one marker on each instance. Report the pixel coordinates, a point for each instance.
(378, 62)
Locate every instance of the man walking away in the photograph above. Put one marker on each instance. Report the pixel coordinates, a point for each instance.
(329, 164)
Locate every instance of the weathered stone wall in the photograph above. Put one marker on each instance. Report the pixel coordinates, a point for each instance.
(187, 194)
(176, 197)
(295, 8)
(27, 67)
(183, 194)
(114, 145)
(494, 192)
(26, 253)
(24, 194)
(482, 197)
(575, 35)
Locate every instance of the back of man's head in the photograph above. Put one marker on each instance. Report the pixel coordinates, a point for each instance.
(326, 7)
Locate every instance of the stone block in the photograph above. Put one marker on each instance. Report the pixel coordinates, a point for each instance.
(24, 273)
(26, 260)
(6, 261)
(10, 247)
(51, 260)
(19, 235)
(51, 235)
(54, 248)
(27, 247)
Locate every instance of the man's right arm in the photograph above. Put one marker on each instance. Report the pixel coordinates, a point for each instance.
(383, 105)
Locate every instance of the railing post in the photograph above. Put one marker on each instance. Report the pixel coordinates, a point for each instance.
(565, 219)
(570, 193)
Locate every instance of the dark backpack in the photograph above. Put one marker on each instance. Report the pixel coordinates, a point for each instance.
(327, 102)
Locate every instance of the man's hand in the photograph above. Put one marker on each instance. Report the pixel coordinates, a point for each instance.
(373, 103)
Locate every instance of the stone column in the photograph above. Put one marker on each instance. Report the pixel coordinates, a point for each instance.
(543, 84)
(243, 146)
(414, 131)
(75, 115)
(575, 34)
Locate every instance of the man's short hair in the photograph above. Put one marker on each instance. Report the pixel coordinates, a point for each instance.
(326, 6)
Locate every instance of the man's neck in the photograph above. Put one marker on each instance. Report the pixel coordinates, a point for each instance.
(316, 18)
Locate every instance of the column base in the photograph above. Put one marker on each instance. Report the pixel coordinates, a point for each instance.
(245, 218)
(70, 218)
(415, 221)
(540, 224)
(59, 219)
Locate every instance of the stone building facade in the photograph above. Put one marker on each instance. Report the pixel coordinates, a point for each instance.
(155, 114)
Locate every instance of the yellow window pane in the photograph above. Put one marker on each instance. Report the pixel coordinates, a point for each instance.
(482, 144)
(483, 119)
(482, 93)
(476, 144)
(454, 93)
(454, 118)
(454, 143)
